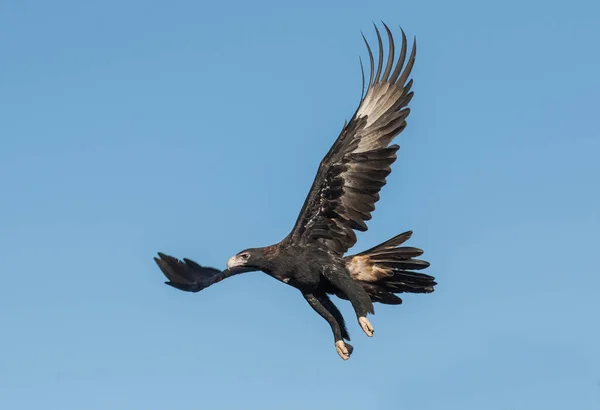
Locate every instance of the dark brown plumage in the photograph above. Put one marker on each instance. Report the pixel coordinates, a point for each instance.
(342, 197)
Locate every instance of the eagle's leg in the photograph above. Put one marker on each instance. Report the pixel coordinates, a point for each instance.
(358, 296)
(324, 307)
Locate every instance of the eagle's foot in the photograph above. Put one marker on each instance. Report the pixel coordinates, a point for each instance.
(343, 349)
(367, 327)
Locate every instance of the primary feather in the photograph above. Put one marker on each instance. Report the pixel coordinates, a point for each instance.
(347, 184)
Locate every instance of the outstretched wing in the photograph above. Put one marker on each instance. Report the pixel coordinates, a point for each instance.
(187, 275)
(349, 178)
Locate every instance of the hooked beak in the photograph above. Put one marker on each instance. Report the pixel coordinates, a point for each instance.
(235, 264)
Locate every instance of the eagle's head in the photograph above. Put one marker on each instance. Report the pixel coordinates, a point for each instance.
(247, 260)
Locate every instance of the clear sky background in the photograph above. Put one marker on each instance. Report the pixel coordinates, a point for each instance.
(194, 128)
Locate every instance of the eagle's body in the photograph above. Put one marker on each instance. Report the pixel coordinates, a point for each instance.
(298, 267)
(312, 258)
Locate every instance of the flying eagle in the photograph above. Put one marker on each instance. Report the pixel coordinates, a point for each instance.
(312, 257)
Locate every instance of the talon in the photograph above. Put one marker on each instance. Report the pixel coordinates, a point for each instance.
(366, 326)
(343, 350)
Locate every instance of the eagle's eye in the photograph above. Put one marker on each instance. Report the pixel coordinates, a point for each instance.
(244, 255)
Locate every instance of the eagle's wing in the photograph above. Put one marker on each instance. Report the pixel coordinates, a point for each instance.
(349, 178)
(187, 275)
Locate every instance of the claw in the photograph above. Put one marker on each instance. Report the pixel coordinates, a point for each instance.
(366, 326)
(343, 349)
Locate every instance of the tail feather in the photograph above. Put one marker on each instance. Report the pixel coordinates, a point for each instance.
(404, 251)
(387, 269)
(401, 263)
(390, 243)
(409, 282)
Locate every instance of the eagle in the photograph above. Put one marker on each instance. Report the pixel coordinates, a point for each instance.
(313, 256)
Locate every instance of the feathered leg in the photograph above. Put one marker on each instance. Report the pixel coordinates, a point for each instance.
(324, 307)
(360, 299)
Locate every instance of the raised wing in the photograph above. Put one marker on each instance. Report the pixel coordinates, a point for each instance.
(349, 178)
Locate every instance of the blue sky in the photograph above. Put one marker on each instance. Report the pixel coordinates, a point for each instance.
(130, 127)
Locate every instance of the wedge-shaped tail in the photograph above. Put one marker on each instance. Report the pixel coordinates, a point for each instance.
(388, 268)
